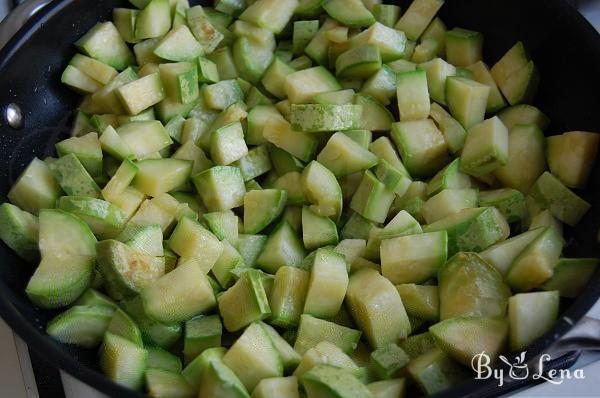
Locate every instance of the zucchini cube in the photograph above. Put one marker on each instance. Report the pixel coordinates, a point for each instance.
(227, 144)
(510, 202)
(464, 276)
(159, 176)
(482, 74)
(413, 258)
(179, 45)
(391, 42)
(413, 95)
(207, 71)
(438, 71)
(221, 95)
(220, 187)
(104, 43)
(486, 148)
(312, 331)
(200, 334)
(421, 146)
(420, 301)
(287, 296)
(472, 229)
(376, 308)
(531, 315)
(180, 81)
(467, 100)
(327, 284)
(344, 156)
(388, 360)
(417, 17)
(564, 204)
(358, 63)
(463, 47)
(322, 118)
(571, 156)
(449, 201)
(203, 30)
(303, 85)
(250, 291)
(372, 199)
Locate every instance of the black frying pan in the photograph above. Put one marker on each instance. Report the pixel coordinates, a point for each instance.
(564, 46)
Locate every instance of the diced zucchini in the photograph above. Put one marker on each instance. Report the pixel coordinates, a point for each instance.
(203, 30)
(503, 254)
(468, 286)
(421, 146)
(304, 31)
(162, 384)
(436, 31)
(531, 315)
(438, 71)
(450, 177)
(573, 166)
(384, 149)
(81, 326)
(281, 134)
(104, 43)
(434, 371)
(303, 85)
(418, 16)
(20, 231)
(487, 335)
(79, 81)
(327, 284)
(126, 272)
(351, 13)
(374, 117)
(270, 14)
(472, 229)
(413, 95)
(450, 201)
(317, 231)
(220, 187)
(144, 137)
(251, 60)
(467, 100)
(153, 332)
(386, 14)
(482, 74)
(244, 302)
(73, 177)
(201, 333)
(325, 353)
(377, 308)
(463, 47)
(510, 202)
(329, 381)
(359, 62)
(486, 148)
(564, 204)
(123, 362)
(372, 199)
(180, 81)
(158, 176)
(425, 51)
(386, 361)
(284, 387)
(571, 275)
(344, 156)
(261, 208)
(420, 301)
(122, 325)
(253, 357)
(381, 85)
(413, 258)
(535, 264)
(287, 296)
(104, 219)
(322, 190)
(191, 240)
(454, 133)
(388, 388)
(322, 118)
(526, 157)
(392, 178)
(522, 85)
(523, 114)
(179, 295)
(312, 331)
(283, 247)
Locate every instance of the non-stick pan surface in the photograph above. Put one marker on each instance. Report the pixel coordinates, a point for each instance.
(564, 46)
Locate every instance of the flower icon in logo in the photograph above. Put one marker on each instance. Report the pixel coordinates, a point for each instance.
(518, 369)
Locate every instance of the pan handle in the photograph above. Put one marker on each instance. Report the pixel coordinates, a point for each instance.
(18, 17)
(585, 336)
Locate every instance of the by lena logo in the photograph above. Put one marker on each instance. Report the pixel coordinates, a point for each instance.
(519, 370)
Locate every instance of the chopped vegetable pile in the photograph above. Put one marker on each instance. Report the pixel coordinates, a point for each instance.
(261, 199)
